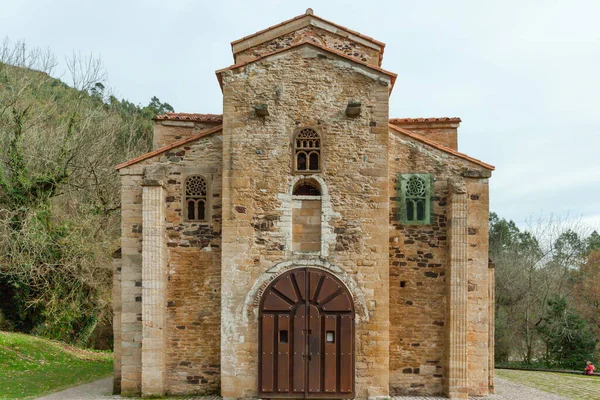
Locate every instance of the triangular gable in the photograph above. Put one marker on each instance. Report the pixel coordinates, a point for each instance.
(438, 146)
(299, 22)
(326, 49)
(173, 145)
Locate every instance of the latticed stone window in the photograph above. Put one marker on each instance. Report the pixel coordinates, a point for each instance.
(415, 198)
(307, 150)
(196, 190)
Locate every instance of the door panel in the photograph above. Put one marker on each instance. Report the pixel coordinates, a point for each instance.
(330, 366)
(300, 277)
(315, 278)
(283, 353)
(306, 337)
(299, 366)
(268, 364)
(346, 354)
(286, 287)
(314, 350)
(328, 288)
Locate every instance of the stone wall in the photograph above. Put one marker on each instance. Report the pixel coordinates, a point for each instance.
(442, 132)
(193, 272)
(316, 35)
(419, 270)
(306, 225)
(167, 132)
(304, 87)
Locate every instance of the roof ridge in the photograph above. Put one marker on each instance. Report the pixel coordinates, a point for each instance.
(189, 117)
(307, 14)
(424, 119)
(441, 147)
(171, 146)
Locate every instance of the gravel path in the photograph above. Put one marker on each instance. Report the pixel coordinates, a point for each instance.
(505, 390)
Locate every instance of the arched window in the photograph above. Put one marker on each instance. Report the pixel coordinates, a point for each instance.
(307, 151)
(196, 191)
(307, 188)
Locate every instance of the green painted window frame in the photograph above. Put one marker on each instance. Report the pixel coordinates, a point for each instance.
(404, 197)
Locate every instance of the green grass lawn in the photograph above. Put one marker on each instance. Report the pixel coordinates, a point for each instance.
(575, 387)
(32, 366)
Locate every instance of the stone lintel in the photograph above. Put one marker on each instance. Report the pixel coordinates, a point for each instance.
(476, 173)
(153, 182)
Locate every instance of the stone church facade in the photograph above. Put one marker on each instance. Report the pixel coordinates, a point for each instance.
(304, 244)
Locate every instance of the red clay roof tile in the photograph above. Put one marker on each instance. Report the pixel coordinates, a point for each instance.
(171, 146)
(189, 117)
(438, 146)
(423, 120)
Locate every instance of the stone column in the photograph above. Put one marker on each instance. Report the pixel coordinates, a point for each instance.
(153, 288)
(492, 318)
(456, 363)
(117, 307)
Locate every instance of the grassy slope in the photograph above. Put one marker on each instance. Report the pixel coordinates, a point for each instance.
(575, 387)
(31, 366)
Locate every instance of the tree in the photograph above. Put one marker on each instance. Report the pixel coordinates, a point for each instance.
(532, 265)
(593, 242)
(569, 341)
(158, 108)
(587, 290)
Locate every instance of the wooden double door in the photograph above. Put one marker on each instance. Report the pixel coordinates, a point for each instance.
(306, 337)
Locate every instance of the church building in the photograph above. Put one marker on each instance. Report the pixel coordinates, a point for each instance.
(304, 244)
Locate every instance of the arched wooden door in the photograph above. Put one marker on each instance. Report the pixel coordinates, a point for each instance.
(306, 337)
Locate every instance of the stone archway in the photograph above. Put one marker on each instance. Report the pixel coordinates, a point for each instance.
(306, 336)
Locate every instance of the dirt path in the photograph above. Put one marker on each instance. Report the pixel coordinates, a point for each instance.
(505, 390)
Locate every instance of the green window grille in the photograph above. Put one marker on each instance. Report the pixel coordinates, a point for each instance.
(414, 194)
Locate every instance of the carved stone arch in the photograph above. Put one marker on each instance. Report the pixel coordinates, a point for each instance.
(306, 336)
(310, 37)
(252, 301)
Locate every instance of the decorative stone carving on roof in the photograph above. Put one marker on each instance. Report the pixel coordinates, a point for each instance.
(308, 27)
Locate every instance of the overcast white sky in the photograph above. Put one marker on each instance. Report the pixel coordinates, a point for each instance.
(522, 74)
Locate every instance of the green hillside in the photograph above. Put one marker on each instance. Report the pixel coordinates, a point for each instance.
(60, 194)
(31, 366)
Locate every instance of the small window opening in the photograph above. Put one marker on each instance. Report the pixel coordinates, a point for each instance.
(313, 161)
(402, 283)
(191, 212)
(330, 337)
(301, 163)
(410, 210)
(283, 336)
